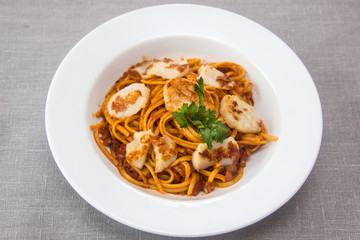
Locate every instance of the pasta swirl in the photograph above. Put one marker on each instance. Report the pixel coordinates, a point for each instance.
(113, 134)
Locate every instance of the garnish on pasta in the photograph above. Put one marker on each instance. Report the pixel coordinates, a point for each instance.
(203, 121)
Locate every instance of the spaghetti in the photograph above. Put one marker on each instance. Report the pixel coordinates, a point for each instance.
(113, 134)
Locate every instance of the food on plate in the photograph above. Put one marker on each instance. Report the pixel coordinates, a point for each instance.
(128, 100)
(215, 78)
(240, 115)
(180, 126)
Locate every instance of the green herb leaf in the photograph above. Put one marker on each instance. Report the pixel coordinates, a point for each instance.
(199, 89)
(203, 121)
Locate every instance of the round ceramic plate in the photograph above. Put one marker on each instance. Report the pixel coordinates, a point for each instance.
(284, 95)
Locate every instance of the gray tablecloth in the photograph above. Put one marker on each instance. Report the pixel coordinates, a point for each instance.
(36, 202)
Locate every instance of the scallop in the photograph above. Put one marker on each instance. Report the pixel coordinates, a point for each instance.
(166, 68)
(137, 149)
(240, 115)
(179, 91)
(165, 152)
(225, 153)
(215, 78)
(128, 101)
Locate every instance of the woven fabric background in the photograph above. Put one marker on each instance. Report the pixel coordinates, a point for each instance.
(36, 202)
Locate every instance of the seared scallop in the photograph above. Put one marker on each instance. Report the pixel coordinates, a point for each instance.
(240, 115)
(165, 152)
(137, 149)
(226, 153)
(179, 91)
(166, 68)
(128, 101)
(215, 78)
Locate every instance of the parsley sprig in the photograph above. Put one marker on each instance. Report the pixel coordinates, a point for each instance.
(202, 120)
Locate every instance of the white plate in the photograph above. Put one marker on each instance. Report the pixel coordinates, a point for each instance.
(284, 94)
